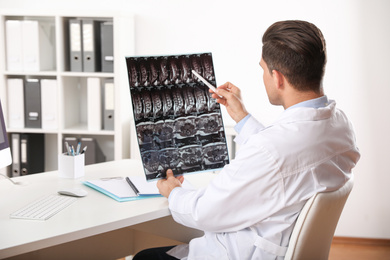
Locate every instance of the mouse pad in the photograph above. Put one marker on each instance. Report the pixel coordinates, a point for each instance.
(178, 124)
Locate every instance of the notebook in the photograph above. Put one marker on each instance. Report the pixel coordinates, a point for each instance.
(127, 188)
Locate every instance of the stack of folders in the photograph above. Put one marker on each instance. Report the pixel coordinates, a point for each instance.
(30, 45)
(32, 103)
(28, 154)
(91, 45)
(93, 152)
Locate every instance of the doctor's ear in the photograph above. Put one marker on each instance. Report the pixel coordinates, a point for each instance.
(278, 78)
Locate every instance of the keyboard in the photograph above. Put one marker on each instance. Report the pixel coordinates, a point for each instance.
(44, 208)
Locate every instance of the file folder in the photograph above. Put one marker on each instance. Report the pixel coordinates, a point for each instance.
(49, 104)
(15, 151)
(76, 47)
(91, 46)
(32, 153)
(13, 37)
(94, 153)
(38, 46)
(107, 46)
(94, 108)
(32, 102)
(108, 104)
(120, 190)
(15, 103)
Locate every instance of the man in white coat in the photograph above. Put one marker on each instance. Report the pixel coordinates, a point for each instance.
(249, 209)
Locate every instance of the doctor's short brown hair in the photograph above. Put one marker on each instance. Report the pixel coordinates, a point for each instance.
(297, 49)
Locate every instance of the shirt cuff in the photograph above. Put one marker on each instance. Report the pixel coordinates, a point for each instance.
(241, 124)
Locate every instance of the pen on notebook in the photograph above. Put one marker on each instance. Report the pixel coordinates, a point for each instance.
(132, 185)
(205, 82)
(84, 149)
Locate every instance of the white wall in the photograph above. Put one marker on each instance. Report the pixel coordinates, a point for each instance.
(357, 34)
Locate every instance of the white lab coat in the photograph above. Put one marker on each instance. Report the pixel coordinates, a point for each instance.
(249, 209)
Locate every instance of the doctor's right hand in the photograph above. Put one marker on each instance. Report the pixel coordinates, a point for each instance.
(231, 100)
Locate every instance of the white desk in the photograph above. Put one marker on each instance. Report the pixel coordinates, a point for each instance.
(89, 216)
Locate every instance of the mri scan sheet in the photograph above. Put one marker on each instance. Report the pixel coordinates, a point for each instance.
(178, 124)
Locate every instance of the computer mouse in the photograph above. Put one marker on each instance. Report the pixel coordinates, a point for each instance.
(75, 192)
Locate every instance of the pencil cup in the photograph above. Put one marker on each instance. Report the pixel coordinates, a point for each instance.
(71, 167)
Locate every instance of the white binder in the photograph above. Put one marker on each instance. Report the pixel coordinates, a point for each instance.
(108, 104)
(94, 107)
(15, 103)
(76, 45)
(49, 104)
(13, 36)
(38, 50)
(91, 46)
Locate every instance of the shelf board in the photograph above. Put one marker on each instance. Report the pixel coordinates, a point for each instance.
(87, 74)
(31, 73)
(32, 130)
(82, 129)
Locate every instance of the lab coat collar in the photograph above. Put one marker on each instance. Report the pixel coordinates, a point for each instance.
(307, 113)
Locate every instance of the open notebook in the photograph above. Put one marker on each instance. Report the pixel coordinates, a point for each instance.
(128, 188)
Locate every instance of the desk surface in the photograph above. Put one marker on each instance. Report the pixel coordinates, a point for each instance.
(88, 216)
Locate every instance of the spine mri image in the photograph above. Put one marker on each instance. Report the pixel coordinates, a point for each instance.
(178, 124)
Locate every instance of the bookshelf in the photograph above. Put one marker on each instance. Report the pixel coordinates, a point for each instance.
(72, 92)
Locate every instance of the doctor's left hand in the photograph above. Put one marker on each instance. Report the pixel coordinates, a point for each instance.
(165, 186)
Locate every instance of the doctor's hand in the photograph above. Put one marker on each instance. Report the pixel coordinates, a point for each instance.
(231, 100)
(165, 186)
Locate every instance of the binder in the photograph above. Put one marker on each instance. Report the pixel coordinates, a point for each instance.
(93, 154)
(107, 46)
(108, 104)
(49, 104)
(91, 45)
(94, 108)
(76, 47)
(32, 153)
(13, 37)
(32, 102)
(15, 151)
(15, 103)
(37, 46)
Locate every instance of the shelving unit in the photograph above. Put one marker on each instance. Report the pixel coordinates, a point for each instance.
(71, 86)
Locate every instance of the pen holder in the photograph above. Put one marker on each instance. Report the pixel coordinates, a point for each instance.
(71, 167)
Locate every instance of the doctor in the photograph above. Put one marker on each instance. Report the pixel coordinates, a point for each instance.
(249, 209)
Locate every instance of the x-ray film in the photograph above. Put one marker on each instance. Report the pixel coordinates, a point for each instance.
(178, 124)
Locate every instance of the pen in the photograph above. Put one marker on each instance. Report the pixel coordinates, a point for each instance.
(67, 148)
(205, 82)
(132, 185)
(84, 149)
(78, 148)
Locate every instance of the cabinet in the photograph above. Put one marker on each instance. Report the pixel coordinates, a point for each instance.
(72, 96)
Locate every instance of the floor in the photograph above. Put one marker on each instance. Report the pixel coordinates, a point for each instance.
(359, 250)
(347, 249)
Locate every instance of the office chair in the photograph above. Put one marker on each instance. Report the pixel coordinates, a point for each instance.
(313, 232)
